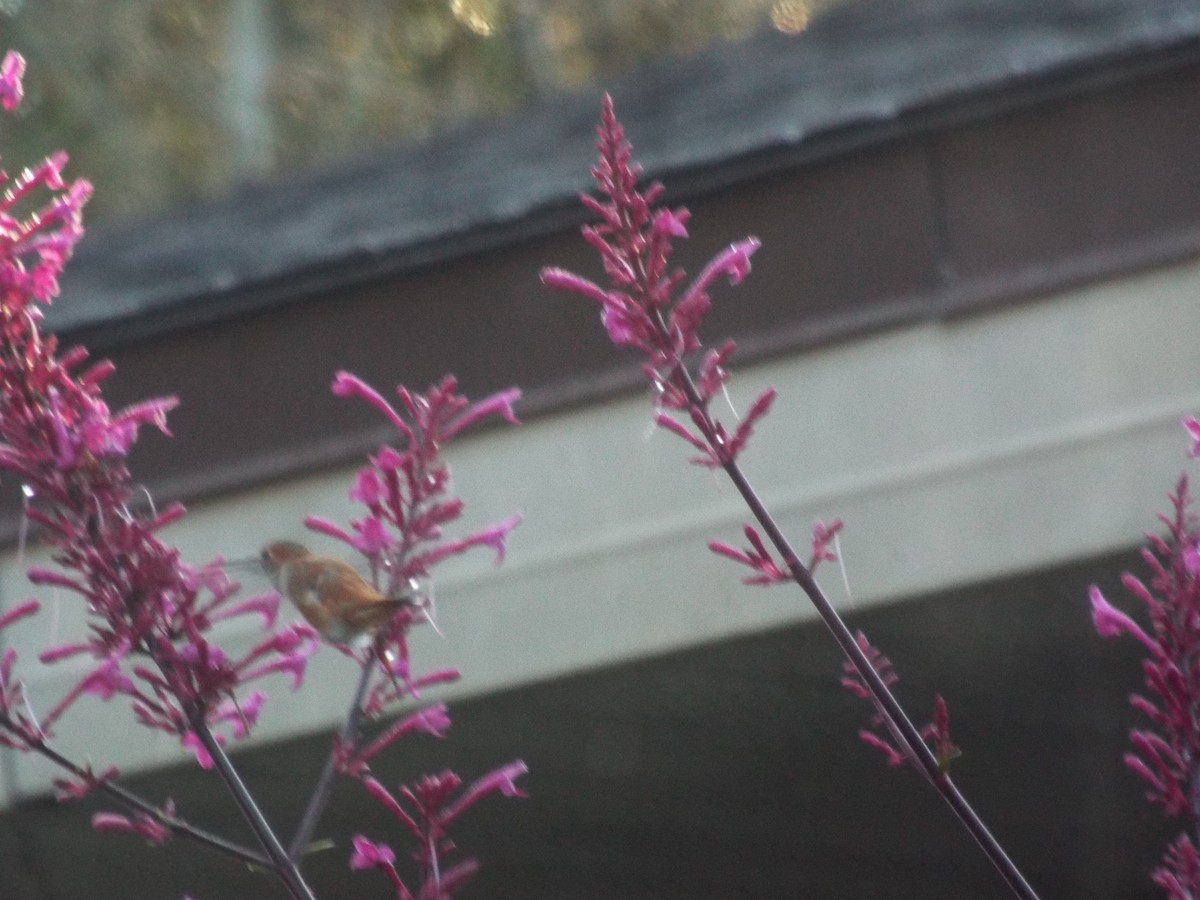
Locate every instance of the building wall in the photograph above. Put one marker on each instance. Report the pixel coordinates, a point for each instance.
(956, 450)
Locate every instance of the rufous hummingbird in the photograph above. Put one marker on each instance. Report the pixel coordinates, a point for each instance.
(329, 593)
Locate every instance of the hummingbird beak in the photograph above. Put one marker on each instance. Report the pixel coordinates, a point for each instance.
(246, 562)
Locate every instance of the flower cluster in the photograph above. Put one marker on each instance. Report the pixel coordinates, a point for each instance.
(760, 561)
(428, 809)
(18, 724)
(149, 614)
(407, 504)
(648, 307)
(880, 734)
(644, 310)
(1165, 755)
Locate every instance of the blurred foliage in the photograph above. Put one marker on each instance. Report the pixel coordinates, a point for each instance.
(161, 102)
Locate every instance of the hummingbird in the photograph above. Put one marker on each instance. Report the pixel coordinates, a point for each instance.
(329, 593)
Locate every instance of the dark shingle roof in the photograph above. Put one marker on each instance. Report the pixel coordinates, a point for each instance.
(859, 73)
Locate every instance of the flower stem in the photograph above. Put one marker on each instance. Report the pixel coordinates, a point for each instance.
(179, 827)
(320, 794)
(280, 863)
(885, 701)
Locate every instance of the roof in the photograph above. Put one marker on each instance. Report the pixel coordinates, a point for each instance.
(859, 73)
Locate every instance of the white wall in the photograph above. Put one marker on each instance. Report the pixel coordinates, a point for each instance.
(954, 451)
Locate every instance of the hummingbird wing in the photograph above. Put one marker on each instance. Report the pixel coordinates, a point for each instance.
(348, 596)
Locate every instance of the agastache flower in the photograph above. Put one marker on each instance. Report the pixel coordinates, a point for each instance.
(824, 537)
(87, 781)
(12, 70)
(1164, 755)
(879, 734)
(406, 492)
(642, 308)
(142, 824)
(1192, 426)
(427, 809)
(432, 720)
(149, 614)
(18, 728)
(650, 307)
(757, 557)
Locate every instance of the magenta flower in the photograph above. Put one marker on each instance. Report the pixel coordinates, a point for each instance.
(650, 307)
(1192, 426)
(406, 494)
(18, 728)
(1110, 622)
(756, 557)
(879, 734)
(149, 614)
(12, 70)
(1164, 754)
(643, 309)
(369, 856)
(141, 824)
(86, 782)
(823, 538)
(427, 809)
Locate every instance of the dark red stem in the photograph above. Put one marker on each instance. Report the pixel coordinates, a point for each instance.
(885, 701)
(279, 862)
(134, 803)
(320, 794)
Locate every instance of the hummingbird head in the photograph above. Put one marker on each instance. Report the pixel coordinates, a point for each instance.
(275, 554)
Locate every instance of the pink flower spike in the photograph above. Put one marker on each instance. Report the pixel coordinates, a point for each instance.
(758, 409)
(294, 665)
(1192, 425)
(664, 421)
(172, 513)
(1111, 622)
(757, 558)
(21, 611)
(368, 855)
(12, 70)
(388, 459)
(456, 876)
